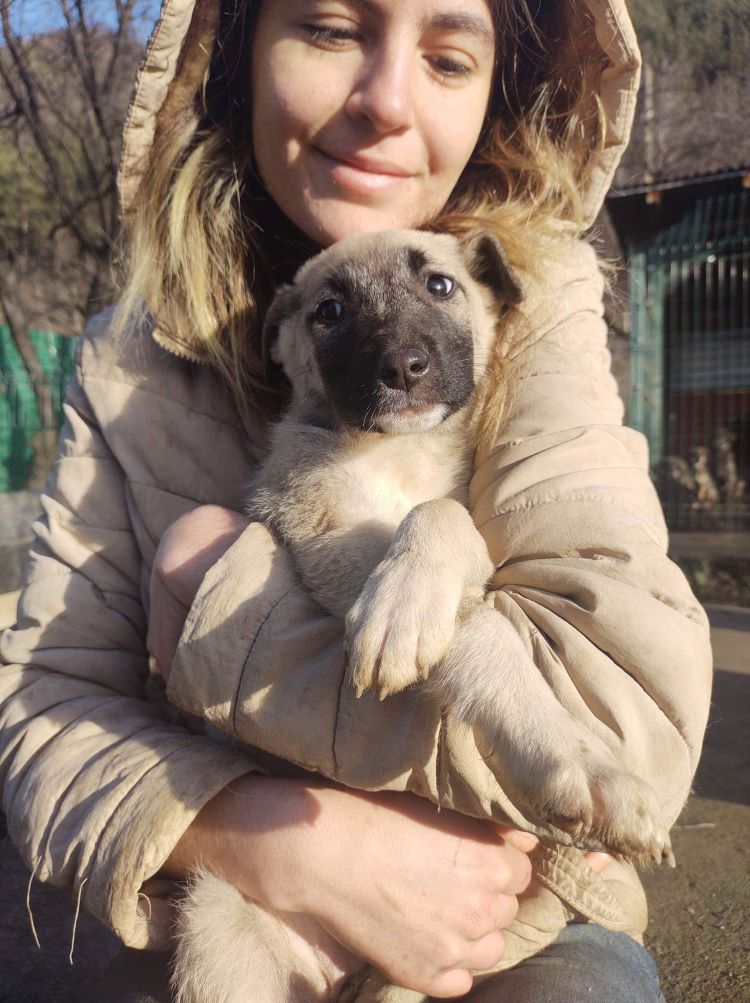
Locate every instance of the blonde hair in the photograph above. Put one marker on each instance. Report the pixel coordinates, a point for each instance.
(195, 256)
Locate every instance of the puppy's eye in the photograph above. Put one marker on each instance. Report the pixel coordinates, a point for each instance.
(440, 285)
(329, 311)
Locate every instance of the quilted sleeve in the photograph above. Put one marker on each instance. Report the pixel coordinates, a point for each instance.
(576, 531)
(98, 785)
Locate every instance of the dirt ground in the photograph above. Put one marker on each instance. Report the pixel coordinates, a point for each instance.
(699, 933)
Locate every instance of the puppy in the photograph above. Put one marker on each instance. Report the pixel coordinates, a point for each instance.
(386, 339)
(732, 487)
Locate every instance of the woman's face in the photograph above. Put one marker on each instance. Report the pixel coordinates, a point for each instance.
(365, 112)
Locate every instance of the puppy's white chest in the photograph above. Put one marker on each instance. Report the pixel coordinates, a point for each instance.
(384, 482)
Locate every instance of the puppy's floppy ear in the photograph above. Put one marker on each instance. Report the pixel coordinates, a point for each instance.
(283, 305)
(488, 263)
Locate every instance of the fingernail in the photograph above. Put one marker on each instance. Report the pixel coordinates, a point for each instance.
(598, 861)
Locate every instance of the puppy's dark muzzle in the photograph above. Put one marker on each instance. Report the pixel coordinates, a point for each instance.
(404, 369)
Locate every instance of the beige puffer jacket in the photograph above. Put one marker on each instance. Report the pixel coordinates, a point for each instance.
(99, 783)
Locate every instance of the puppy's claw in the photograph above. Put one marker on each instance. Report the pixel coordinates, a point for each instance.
(359, 690)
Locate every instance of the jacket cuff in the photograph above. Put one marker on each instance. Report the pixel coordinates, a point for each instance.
(144, 829)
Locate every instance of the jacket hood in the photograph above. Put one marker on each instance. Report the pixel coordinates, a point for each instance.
(180, 46)
(179, 52)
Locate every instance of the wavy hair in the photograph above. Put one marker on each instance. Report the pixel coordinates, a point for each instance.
(198, 259)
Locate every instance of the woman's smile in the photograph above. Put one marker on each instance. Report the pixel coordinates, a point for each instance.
(364, 115)
(363, 175)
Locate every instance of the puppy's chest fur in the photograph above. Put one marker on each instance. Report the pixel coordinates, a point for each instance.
(315, 481)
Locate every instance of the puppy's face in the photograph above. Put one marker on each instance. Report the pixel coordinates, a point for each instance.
(390, 332)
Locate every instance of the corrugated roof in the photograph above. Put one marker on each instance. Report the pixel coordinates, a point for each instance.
(686, 129)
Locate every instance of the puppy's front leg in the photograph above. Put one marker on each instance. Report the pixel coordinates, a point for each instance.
(557, 770)
(404, 620)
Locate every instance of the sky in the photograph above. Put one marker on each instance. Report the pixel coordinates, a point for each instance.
(31, 17)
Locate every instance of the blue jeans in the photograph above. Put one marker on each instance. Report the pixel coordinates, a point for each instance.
(586, 963)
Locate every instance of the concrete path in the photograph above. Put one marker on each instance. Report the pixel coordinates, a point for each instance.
(699, 928)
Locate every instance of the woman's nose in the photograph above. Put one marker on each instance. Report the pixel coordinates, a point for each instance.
(383, 92)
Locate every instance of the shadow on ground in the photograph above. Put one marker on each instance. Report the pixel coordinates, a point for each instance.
(30, 975)
(698, 932)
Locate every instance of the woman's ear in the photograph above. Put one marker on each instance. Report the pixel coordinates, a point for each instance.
(283, 305)
(488, 263)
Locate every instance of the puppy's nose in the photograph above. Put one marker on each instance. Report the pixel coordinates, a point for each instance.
(401, 370)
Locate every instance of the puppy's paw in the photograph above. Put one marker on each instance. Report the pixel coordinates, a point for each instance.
(401, 625)
(604, 807)
(561, 773)
(627, 818)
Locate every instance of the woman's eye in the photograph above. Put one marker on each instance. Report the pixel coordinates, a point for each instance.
(329, 34)
(447, 67)
(440, 285)
(329, 311)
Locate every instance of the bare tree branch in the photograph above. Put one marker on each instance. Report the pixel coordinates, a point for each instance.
(63, 98)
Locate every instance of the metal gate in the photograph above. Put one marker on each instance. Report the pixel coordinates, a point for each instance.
(690, 363)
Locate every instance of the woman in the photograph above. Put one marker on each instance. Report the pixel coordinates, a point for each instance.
(254, 136)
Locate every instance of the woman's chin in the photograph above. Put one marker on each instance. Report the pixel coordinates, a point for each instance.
(350, 221)
(329, 220)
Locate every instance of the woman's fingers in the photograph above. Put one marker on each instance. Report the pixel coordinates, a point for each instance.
(187, 549)
(165, 625)
(485, 956)
(450, 984)
(193, 544)
(517, 871)
(486, 953)
(598, 861)
(523, 841)
(504, 912)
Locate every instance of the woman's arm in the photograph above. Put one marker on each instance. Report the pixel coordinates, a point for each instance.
(98, 785)
(104, 794)
(421, 894)
(575, 528)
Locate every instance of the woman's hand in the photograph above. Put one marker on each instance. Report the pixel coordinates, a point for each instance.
(422, 895)
(191, 545)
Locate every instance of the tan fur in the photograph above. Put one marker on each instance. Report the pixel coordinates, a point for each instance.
(707, 494)
(726, 465)
(378, 529)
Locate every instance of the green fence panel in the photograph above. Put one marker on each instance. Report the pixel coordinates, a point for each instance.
(690, 362)
(19, 416)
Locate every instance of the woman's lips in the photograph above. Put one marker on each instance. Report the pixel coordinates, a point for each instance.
(363, 174)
